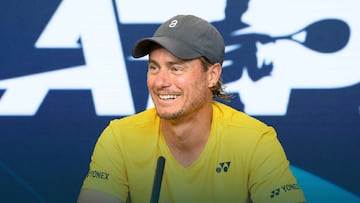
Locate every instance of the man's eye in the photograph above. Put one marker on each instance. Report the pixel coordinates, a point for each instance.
(177, 69)
(153, 68)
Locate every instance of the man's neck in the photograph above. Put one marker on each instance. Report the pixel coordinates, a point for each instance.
(186, 139)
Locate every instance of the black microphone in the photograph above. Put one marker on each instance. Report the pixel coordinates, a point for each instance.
(157, 180)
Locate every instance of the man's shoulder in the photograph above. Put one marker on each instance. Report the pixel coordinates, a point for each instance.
(236, 128)
(230, 116)
(144, 118)
(134, 127)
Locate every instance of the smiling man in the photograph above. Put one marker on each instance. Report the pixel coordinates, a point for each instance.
(213, 153)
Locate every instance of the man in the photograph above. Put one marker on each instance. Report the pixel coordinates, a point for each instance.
(213, 152)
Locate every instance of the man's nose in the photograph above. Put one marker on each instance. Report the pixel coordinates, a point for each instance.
(163, 78)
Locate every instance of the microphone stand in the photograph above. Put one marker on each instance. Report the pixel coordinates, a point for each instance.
(158, 180)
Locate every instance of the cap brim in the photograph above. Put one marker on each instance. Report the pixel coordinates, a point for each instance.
(175, 47)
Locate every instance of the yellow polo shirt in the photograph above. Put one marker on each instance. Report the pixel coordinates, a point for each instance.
(242, 161)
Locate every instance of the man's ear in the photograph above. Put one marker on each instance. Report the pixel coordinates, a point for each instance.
(214, 74)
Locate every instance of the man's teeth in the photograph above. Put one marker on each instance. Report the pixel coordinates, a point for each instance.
(165, 97)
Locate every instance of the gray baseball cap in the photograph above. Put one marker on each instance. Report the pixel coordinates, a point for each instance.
(186, 37)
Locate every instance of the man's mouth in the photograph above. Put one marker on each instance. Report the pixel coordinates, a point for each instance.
(168, 96)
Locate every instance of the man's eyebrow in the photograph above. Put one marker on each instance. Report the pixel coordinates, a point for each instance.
(175, 63)
(170, 63)
(152, 61)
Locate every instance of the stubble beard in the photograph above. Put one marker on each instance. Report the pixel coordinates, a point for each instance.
(187, 109)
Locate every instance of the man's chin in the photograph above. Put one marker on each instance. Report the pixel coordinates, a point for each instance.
(168, 115)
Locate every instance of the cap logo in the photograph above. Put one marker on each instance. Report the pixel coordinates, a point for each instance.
(173, 23)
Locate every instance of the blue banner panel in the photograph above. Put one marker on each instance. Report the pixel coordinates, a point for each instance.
(66, 70)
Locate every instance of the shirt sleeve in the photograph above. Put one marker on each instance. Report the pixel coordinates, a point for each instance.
(271, 179)
(107, 172)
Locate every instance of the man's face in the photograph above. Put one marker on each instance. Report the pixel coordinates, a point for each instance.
(178, 88)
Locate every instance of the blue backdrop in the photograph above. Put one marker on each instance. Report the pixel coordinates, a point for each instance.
(66, 71)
